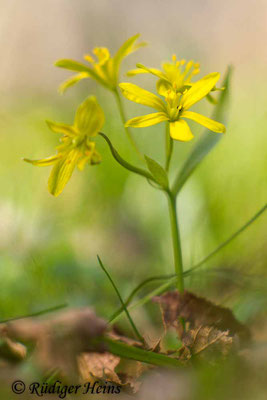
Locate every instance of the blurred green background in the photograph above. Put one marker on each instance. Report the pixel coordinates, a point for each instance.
(48, 246)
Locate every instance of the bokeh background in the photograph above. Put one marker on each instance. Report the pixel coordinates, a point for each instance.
(49, 245)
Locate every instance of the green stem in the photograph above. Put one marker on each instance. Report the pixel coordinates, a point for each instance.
(134, 353)
(125, 163)
(177, 251)
(123, 119)
(168, 147)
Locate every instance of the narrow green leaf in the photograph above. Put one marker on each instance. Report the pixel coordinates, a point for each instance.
(136, 290)
(36, 314)
(158, 172)
(155, 292)
(120, 298)
(229, 240)
(136, 353)
(208, 141)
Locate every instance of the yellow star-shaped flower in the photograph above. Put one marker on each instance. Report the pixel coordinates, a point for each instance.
(175, 108)
(76, 148)
(175, 75)
(105, 70)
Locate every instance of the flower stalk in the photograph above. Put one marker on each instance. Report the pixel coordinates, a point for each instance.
(126, 129)
(176, 242)
(168, 147)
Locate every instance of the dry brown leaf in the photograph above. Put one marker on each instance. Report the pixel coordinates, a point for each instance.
(98, 365)
(129, 372)
(58, 340)
(12, 351)
(206, 339)
(101, 366)
(199, 312)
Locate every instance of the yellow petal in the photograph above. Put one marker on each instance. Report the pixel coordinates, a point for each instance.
(44, 162)
(62, 171)
(147, 120)
(89, 117)
(152, 71)
(72, 81)
(138, 95)
(136, 71)
(89, 58)
(72, 65)
(79, 67)
(127, 48)
(205, 121)
(102, 54)
(163, 87)
(179, 130)
(65, 129)
(199, 90)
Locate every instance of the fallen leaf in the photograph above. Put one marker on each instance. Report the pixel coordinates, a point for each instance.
(179, 309)
(198, 340)
(58, 340)
(98, 365)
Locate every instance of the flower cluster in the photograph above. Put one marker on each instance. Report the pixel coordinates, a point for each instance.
(180, 94)
(176, 95)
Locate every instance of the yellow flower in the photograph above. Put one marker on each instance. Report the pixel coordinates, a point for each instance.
(105, 70)
(175, 108)
(76, 146)
(175, 75)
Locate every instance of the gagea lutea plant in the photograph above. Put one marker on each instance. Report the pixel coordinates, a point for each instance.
(178, 90)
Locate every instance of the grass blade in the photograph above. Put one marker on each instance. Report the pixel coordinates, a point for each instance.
(122, 302)
(36, 314)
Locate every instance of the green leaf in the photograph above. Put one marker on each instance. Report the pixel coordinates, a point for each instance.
(208, 141)
(121, 300)
(136, 353)
(36, 314)
(158, 172)
(143, 300)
